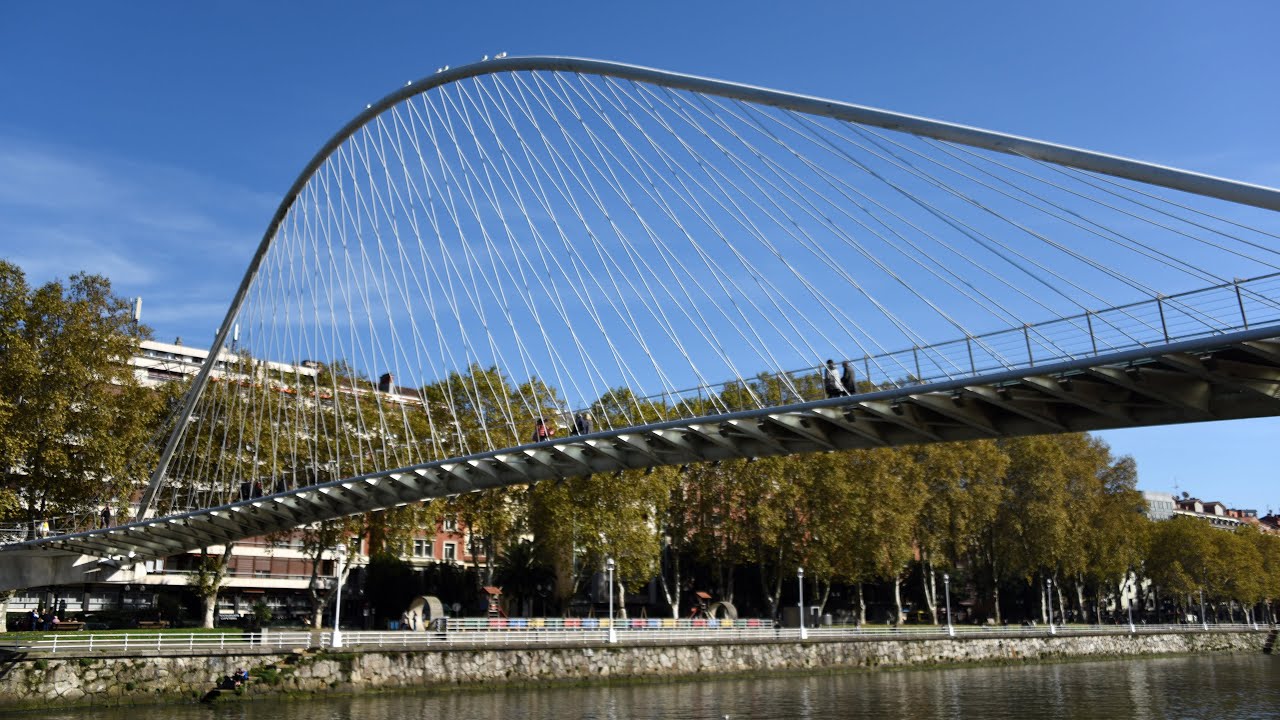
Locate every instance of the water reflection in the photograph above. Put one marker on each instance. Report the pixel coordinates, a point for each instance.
(1242, 686)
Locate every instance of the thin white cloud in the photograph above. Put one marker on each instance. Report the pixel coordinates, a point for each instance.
(178, 239)
(74, 253)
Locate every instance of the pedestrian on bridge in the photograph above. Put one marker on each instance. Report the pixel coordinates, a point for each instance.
(831, 381)
(541, 432)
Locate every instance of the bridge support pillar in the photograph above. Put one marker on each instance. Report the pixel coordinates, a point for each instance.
(20, 569)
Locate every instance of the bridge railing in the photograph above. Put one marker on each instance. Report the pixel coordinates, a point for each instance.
(558, 634)
(761, 631)
(80, 641)
(1201, 313)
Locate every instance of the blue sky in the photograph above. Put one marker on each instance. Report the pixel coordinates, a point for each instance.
(151, 141)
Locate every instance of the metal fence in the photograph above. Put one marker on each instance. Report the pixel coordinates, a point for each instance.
(479, 634)
(80, 641)
(1201, 313)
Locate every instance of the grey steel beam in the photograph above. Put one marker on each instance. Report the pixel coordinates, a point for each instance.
(992, 396)
(713, 437)
(902, 413)
(1219, 375)
(952, 408)
(1053, 387)
(751, 428)
(1265, 349)
(1193, 399)
(800, 426)
(835, 417)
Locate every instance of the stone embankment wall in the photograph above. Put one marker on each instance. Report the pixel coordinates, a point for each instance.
(96, 679)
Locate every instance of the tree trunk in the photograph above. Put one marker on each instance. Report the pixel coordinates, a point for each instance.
(823, 595)
(897, 600)
(673, 599)
(772, 596)
(490, 552)
(1120, 596)
(5, 595)
(995, 585)
(1084, 613)
(995, 601)
(210, 603)
(671, 592)
(862, 608)
(209, 594)
(621, 604)
(930, 582)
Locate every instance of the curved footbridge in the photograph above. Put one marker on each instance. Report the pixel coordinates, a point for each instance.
(1227, 376)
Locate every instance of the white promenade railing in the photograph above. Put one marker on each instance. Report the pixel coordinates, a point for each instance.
(80, 641)
(596, 636)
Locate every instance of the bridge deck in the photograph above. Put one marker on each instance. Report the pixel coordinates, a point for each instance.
(1235, 375)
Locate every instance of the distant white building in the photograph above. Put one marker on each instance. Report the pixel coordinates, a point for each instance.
(1163, 506)
(1160, 505)
(157, 363)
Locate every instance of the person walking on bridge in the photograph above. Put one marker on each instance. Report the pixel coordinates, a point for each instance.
(831, 381)
(540, 431)
(847, 380)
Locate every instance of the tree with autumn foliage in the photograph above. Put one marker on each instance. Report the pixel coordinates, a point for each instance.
(74, 421)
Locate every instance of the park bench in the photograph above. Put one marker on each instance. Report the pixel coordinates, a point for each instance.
(153, 624)
(68, 625)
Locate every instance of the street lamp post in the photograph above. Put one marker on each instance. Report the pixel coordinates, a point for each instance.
(804, 632)
(613, 633)
(1129, 606)
(1204, 621)
(341, 553)
(946, 585)
(1048, 587)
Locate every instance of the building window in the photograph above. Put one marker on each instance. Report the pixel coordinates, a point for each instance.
(422, 548)
(450, 551)
(450, 524)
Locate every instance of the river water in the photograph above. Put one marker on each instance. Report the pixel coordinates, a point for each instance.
(1229, 686)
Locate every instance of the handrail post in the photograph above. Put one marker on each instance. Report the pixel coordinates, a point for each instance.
(968, 343)
(1163, 327)
(1026, 334)
(1240, 301)
(1093, 339)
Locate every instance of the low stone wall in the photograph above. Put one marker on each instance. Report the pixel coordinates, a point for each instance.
(95, 679)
